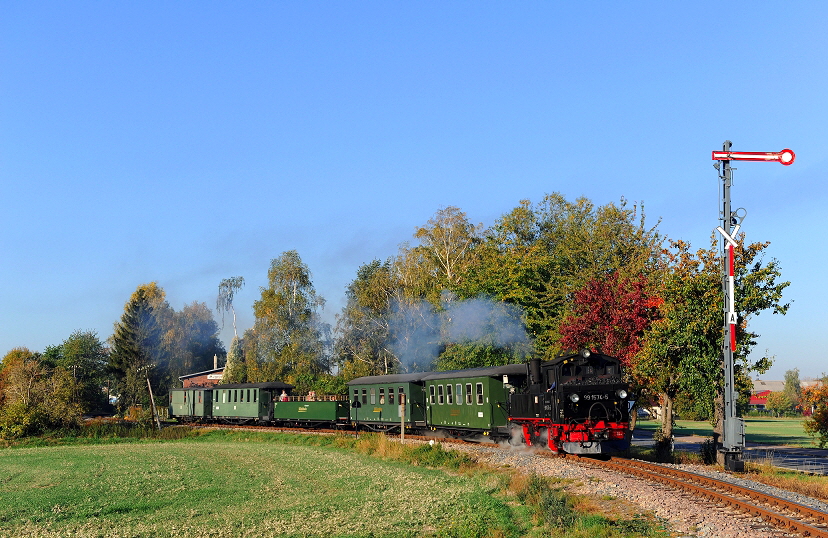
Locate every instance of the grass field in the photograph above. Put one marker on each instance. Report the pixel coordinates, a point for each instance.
(774, 431)
(231, 484)
(226, 488)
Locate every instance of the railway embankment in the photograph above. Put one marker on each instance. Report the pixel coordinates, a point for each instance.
(687, 514)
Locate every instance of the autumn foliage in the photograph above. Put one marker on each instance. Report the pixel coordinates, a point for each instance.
(611, 316)
(816, 397)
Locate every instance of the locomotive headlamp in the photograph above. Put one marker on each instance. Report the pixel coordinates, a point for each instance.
(621, 393)
(585, 353)
(574, 398)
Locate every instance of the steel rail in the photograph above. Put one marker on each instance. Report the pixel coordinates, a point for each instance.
(723, 492)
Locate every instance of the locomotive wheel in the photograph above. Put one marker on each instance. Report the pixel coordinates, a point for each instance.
(540, 437)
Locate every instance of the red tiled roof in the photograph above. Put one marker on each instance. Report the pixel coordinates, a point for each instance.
(760, 398)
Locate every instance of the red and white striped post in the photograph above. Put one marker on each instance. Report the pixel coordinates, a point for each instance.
(733, 441)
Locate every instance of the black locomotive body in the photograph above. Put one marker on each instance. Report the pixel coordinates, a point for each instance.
(575, 404)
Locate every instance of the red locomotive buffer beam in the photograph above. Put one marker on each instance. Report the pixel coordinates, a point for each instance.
(786, 156)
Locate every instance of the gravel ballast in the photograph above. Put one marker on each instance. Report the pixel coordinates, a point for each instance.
(685, 514)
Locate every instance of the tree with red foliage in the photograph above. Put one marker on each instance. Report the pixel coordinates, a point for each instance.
(610, 316)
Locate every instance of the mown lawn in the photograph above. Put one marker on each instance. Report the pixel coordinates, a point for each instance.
(775, 431)
(231, 488)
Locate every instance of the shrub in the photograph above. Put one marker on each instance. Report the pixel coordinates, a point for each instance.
(708, 452)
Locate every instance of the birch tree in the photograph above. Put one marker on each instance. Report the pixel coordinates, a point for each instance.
(227, 290)
(288, 339)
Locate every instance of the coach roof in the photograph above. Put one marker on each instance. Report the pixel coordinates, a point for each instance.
(393, 378)
(488, 371)
(268, 385)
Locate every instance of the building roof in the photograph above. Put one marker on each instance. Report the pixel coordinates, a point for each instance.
(760, 385)
(760, 398)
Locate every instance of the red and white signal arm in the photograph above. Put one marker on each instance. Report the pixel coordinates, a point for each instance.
(786, 156)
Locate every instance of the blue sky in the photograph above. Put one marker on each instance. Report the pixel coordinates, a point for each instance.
(189, 142)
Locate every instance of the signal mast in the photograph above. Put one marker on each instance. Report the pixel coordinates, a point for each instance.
(733, 429)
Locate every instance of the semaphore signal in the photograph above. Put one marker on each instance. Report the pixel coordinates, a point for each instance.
(733, 438)
(785, 156)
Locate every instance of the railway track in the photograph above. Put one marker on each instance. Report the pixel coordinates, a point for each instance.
(781, 513)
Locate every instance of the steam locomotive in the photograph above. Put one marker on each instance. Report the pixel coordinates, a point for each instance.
(576, 403)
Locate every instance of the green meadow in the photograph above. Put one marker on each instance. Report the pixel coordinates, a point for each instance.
(765, 430)
(226, 484)
(226, 488)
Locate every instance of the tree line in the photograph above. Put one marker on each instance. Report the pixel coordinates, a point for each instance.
(151, 346)
(543, 278)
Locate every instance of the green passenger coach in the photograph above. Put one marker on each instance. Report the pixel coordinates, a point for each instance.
(191, 404)
(242, 403)
(311, 411)
(471, 402)
(376, 401)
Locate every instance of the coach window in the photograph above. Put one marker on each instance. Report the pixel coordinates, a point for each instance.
(468, 394)
(373, 396)
(459, 394)
(440, 397)
(390, 395)
(185, 396)
(199, 396)
(255, 395)
(382, 396)
(241, 398)
(236, 395)
(479, 392)
(449, 395)
(431, 398)
(356, 395)
(224, 396)
(248, 395)
(365, 396)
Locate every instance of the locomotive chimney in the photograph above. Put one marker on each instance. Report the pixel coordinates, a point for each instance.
(535, 371)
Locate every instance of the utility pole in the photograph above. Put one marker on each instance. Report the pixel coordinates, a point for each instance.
(733, 429)
(152, 401)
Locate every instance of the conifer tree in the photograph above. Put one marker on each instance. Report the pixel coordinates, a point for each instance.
(134, 343)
